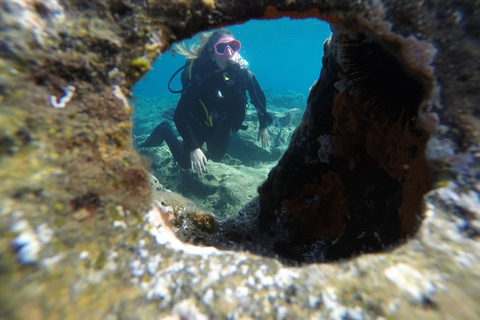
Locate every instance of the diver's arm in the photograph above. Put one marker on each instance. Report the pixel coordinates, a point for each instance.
(181, 118)
(260, 102)
(198, 160)
(258, 99)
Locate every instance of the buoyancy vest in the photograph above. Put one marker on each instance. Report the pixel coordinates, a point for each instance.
(193, 77)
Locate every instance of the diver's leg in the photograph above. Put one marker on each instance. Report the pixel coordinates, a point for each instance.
(164, 132)
(157, 137)
(217, 144)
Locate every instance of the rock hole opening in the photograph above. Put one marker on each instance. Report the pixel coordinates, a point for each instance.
(232, 182)
(351, 181)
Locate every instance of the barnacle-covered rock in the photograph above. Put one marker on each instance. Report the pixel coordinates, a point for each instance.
(82, 238)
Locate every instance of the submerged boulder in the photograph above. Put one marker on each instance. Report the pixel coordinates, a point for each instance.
(385, 161)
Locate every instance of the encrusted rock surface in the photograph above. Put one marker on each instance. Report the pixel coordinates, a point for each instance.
(81, 238)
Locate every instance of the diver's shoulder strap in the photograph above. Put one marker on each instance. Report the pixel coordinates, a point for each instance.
(186, 77)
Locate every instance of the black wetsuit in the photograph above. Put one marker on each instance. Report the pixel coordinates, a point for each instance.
(211, 107)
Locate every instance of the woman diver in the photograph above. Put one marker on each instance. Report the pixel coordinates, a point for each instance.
(215, 80)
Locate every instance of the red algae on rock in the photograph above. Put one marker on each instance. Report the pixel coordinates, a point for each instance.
(322, 209)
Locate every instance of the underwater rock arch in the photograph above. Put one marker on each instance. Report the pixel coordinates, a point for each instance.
(69, 171)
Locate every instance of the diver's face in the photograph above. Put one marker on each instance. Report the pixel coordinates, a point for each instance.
(221, 63)
(224, 50)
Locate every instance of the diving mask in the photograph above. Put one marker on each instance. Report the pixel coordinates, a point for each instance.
(226, 48)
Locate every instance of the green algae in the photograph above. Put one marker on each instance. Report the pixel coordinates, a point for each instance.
(58, 207)
(116, 214)
(100, 261)
(142, 63)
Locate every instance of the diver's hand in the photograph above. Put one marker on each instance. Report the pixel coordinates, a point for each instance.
(198, 161)
(232, 67)
(264, 136)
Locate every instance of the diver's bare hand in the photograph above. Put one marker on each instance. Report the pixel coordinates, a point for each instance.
(198, 161)
(264, 136)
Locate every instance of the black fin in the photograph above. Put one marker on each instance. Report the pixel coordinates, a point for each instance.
(168, 113)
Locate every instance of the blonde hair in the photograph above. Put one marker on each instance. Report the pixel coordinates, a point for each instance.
(192, 50)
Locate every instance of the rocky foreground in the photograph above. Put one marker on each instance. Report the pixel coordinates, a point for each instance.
(371, 213)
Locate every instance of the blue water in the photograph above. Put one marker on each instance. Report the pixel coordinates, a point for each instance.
(284, 54)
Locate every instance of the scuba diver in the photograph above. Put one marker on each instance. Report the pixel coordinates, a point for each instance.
(213, 102)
